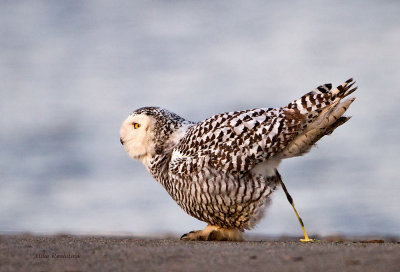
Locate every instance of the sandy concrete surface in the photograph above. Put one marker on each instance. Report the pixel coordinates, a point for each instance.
(98, 253)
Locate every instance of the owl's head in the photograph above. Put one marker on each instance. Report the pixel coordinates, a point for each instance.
(151, 131)
(136, 135)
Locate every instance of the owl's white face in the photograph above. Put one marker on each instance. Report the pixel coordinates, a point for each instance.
(136, 135)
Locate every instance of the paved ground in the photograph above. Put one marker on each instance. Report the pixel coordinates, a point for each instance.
(97, 253)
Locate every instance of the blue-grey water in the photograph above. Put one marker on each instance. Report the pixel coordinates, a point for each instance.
(71, 71)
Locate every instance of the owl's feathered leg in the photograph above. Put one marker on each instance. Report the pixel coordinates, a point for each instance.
(213, 233)
(290, 199)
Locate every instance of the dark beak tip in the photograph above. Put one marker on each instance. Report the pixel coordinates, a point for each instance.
(122, 141)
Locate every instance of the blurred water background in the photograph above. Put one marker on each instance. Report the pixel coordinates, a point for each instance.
(71, 71)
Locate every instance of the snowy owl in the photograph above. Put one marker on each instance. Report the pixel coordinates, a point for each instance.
(223, 170)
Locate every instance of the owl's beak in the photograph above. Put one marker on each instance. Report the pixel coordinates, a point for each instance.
(122, 141)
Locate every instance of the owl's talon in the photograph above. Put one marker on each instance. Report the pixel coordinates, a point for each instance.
(186, 234)
(213, 233)
(193, 235)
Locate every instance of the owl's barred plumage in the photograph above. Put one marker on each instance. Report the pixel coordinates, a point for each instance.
(223, 170)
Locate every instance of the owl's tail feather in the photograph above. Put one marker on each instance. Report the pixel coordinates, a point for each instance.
(328, 130)
(330, 119)
(344, 90)
(314, 102)
(323, 113)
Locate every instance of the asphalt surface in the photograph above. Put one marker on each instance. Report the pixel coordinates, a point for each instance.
(97, 253)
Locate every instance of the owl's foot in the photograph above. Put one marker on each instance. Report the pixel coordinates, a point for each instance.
(213, 233)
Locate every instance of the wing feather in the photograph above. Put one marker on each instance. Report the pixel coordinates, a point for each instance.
(235, 142)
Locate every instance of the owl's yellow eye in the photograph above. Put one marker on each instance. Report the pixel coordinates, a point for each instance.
(136, 125)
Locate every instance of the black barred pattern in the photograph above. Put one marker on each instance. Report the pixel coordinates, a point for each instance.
(218, 198)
